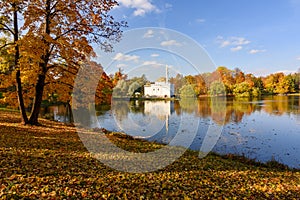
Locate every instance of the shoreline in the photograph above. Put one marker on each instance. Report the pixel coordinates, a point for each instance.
(199, 97)
(122, 135)
(50, 161)
(274, 162)
(242, 158)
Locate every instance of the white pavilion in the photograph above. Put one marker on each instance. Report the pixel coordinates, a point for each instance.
(160, 89)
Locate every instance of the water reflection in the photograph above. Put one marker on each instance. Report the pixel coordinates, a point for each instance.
(140, 118)
(261, 129)
(61, 113)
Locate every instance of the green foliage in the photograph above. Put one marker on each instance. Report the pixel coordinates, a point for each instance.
(133, 88)
(256, 92)
(128, 88)
(242, 90)
(188, 91)
(178, 82)
(121, 89)
(217, 88)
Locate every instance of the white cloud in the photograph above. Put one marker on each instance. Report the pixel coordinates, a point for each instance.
(122, 57)
(155, 55)
(237, 48)
(232, 41)
(255, 51)
(286, 71)
(225, 43)
(141, 7)
(139, 12)
(152, 63)
(298, 58)
(149, 34)
(200, 20)
(239, 41)
(170, 43)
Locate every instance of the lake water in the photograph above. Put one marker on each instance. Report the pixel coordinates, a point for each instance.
(262, 129)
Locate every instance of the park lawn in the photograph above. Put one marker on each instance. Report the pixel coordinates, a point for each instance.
(51, 162)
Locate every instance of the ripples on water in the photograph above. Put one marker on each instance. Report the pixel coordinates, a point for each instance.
(262, 129)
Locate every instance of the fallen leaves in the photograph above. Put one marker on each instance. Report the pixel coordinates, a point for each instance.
(50, 162)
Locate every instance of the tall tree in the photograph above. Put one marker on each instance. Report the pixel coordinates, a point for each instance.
(9, 26)
(59, 34)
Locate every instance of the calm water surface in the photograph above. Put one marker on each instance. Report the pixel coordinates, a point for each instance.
(262, 129)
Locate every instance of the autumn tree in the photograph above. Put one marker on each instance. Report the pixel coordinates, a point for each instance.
(197, 83)
(200, 86)
(57, 39)
(242, 90)
(178, 82)
(286, 84)
(161, 79)
(9, 27)
(239, 76)
(92, 85)
(271, 81)
(119, 75)
(227, 78)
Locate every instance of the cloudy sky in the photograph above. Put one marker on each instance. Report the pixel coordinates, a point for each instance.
(257, 36)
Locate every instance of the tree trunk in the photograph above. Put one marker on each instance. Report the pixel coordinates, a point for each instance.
(20, 99)
(39, 87)
(39, 90)
(69, 112)
(17, 66)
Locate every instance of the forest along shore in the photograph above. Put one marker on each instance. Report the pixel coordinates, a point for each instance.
(50, 161)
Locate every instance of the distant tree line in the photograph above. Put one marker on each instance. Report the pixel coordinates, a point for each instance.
(224, 81)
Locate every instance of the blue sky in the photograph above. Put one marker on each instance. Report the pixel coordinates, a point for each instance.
(257, 36)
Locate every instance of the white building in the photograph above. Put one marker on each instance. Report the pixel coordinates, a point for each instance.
(160, 89)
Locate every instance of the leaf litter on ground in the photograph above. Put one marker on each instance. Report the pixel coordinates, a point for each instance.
(51, 162)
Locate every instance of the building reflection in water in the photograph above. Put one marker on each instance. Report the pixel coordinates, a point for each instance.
(160, 109)
(142, 119)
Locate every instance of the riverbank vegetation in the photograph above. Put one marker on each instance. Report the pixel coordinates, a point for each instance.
(50, 162)
(234, 82)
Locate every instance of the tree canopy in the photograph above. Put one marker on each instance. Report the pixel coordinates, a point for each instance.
(224, 81)
(44, 42)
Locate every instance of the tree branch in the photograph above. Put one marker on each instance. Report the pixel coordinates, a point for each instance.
(7, 28)
(5, 45)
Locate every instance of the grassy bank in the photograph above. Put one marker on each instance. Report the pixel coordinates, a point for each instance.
(51, 162)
